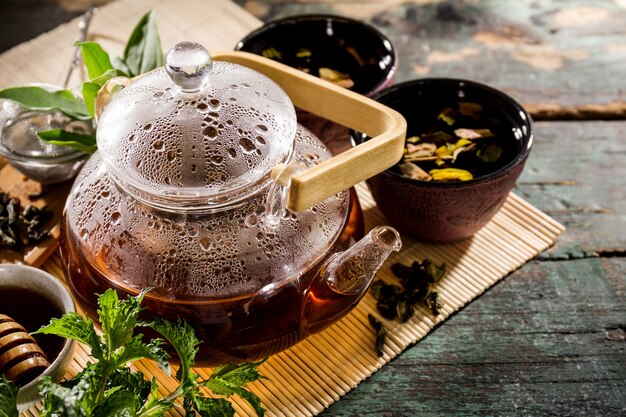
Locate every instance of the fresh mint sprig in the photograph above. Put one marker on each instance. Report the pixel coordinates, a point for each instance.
(142, 53)
(108, 388)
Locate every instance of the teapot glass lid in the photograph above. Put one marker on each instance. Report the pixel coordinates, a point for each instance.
(196, 133)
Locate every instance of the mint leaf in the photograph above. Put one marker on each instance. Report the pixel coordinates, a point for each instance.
(231, 379)
(239, 374)
(8, 398)
(143, 51)
(135, 349)
(118, 318)
(155, 407)
(78, 141)
(76, 327)
(38, 98)
(71, 398)
(96, 59)
(213, 407)
(133, 382)
(121, 403)
(183, 339)
(223, 387)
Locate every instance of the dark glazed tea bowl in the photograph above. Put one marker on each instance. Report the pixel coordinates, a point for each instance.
(444, 212)
(339, 43)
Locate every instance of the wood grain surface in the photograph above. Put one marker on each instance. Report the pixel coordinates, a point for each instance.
(549, 340)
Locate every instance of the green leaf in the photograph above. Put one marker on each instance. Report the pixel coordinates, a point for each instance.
(38, 98)
(133, 382)
(155, 407)
(231, 379)
(76, 327)
(120, 64)
(79, 141)
(135, 349)
(90, 90)
(239, 374)
(143, 51)
(121, 403)
(67, 401)
(183, 338)
(223, 387)
(96, 59)
(213, 407)
(118, 318)
(8, 398)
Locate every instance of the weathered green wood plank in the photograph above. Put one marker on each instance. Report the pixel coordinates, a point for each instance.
(576, 173)
(534, 345)
(565, 53)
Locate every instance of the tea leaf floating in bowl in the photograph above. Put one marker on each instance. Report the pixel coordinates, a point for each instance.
(448, 152)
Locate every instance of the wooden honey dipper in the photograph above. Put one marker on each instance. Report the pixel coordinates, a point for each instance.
(21, 358)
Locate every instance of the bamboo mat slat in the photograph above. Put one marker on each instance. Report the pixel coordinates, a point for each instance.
(316, 372)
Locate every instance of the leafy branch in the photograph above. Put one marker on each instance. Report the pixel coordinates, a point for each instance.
(109, 388)
(142, 53)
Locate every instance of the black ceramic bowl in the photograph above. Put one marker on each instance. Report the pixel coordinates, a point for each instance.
(339, 43)
(442, 212)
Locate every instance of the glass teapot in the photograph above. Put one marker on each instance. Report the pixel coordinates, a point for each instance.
(206, 189)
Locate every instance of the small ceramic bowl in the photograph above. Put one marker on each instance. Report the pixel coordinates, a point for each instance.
(35, 159)
(41, 298)
(338, 43)
(443, 212)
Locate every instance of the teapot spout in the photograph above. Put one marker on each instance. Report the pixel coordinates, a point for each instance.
(351, 272)
(345, 278)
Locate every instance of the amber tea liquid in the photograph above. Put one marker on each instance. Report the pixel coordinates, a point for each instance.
(238, 329)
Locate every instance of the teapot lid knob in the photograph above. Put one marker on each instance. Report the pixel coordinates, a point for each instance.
(189, 66)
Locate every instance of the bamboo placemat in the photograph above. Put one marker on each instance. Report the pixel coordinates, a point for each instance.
(316, 372)
(313, 374)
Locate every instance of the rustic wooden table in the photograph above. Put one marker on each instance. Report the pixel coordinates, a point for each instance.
(550, 339)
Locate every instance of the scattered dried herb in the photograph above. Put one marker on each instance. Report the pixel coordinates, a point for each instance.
(330, 60)
(381, 334)
(21, 227)
(459, 145)
(399, 301)
(339, 78)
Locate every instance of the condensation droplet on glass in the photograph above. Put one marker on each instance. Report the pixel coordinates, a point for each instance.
(205, 244)
(247, 145)
(171, 155)
(158, 145)
(251, 220)
(210, 132)
(116, 217)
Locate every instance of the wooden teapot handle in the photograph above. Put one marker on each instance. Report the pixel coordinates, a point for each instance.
(385, 126)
